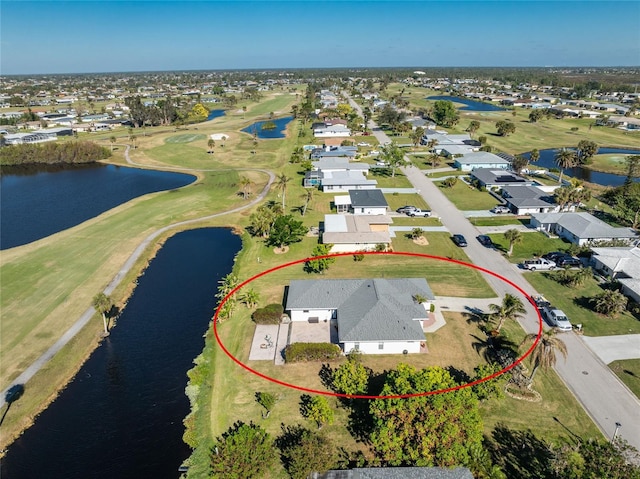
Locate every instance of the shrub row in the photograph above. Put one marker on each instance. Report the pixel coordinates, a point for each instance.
(301, 352)
(270, 314)
(53, 153)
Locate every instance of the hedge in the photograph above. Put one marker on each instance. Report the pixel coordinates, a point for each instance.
(270, 314)
(301, 352)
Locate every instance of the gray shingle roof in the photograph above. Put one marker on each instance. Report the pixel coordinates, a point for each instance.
(363, 198)
(400, 473)
(584, 225)
(368, 309)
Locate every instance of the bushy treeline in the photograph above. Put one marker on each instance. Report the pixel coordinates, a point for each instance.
(74, 152)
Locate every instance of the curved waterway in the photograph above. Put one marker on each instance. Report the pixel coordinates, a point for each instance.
(215, 114)
(277, 132)
(37, 203)
(121, 417)
(547, 160)
(469, 105)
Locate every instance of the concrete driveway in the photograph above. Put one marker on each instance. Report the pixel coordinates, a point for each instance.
(613, 348)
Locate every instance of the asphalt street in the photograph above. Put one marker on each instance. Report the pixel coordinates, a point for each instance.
(604, 397)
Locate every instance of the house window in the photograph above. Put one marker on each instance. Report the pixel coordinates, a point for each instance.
(305, 310)
(380, 345)
(356, 346)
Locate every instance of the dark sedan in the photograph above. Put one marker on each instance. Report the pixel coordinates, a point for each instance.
(459, 240)
(485, 240)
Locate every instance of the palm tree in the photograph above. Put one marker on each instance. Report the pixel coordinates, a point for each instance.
(211, 144)
(245, 183)
(112, 140)
(562, 196)
(282, 183)
(510, 308)
(307, 196)
(250, 298)
(544, 353)
(609, 302)
(534, 155)
(474, 126)
(103, 304)
(227, 284)
(564, 158)
(416, 233)
(513, 236)
(393, 156)
(244, 110)
(132, 138)
(416, 136)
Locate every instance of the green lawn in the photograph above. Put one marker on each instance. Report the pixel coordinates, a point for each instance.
(401, 199)
(498, 220)
(610, 163)
(467, 198)
(575, 303)
(441, 174)
(628, 370)
(385, 179)
(416, 222)
(533, 244)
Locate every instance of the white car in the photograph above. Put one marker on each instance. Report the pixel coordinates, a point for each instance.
(364, 143)
(500, 210)
(538, 264)
(558, 319)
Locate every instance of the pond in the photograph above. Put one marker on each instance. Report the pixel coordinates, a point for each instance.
(277, 132)
(215, 114)
(37, 203)
(547, 160)
(121, 417)
(470, 105)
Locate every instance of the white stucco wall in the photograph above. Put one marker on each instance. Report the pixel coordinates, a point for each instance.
(353, 247)
(304, 315)
(389, 347)
(379, 210)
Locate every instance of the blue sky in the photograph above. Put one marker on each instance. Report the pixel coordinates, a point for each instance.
(107, 36)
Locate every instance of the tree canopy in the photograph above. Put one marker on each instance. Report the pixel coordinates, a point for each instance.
(435, 430)
(286, 230)
(245, 450)
(444, 113)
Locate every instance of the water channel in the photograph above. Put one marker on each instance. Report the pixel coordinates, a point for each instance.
(121, 417)
(215, 114)
(36, 203)
(547, 160)
(470, 105)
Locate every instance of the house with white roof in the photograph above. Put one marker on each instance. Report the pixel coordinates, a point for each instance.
(373, 316)
(580, 228)
(350, 233)
(621, 264)
(334, 181)
(480, 159)
(332, 131)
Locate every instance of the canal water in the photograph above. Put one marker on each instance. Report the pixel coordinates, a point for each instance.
(215, 114)
(121, 417)
(470, 105)
(36, 203)
(277, 132)
(547, 160)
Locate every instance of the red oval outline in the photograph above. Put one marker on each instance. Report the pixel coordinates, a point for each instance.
(363, 396)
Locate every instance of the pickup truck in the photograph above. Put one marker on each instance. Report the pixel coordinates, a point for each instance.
(419, 212)
(538, 263)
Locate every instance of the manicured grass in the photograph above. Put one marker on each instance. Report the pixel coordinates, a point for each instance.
(575, 303)
(442, 174)
(615, 163)
(185, 138)
(628, 370)
(415, 222)
(385, 179)
(467, 198)
(498, 220)
(395, 201)
(533, 244)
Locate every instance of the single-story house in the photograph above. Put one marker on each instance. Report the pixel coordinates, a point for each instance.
(56, 132)
(480, 159)
(525, 200)
(399, 473)
(328, 165)
(349, 233)
(624, 122)
(580, 228)
(345, 181)
(332, 131)
(374, 316)
(453, 151)
(368, 202)
(334, 152)
(621, 262)
(496, 179)
(22, 138)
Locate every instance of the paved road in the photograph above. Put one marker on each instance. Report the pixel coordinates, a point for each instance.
(34, 367)
(604, 397)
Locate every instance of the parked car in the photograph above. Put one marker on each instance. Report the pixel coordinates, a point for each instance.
(382, 163)
(567, 262)
(406, 209)
(500, 210)
(484, 240)
(557, 318)
(459, 240)
(419, 212)
(554, 255)
(364, 143)
(538, 263)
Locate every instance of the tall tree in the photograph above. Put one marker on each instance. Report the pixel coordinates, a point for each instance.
(511, 308)
(250, 298)
(319, 265)
(267, 401)
(609, 302)
(112, 140)
(286, 230)
(444, 113)
(513, 236)
(307, 196)
(544, 355)
(519, 163)
(103, 304)
(435, 430)
(505, 128)
(474, 126)
(633, 170)
(534, 155)
(245, 184)
(211, 144)
(393, 156)
(283, 182)
(316, 409)
(586, 149)
(305, 452)
(416, 136)
(564, 158)
(245, 450)
(366, 113)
